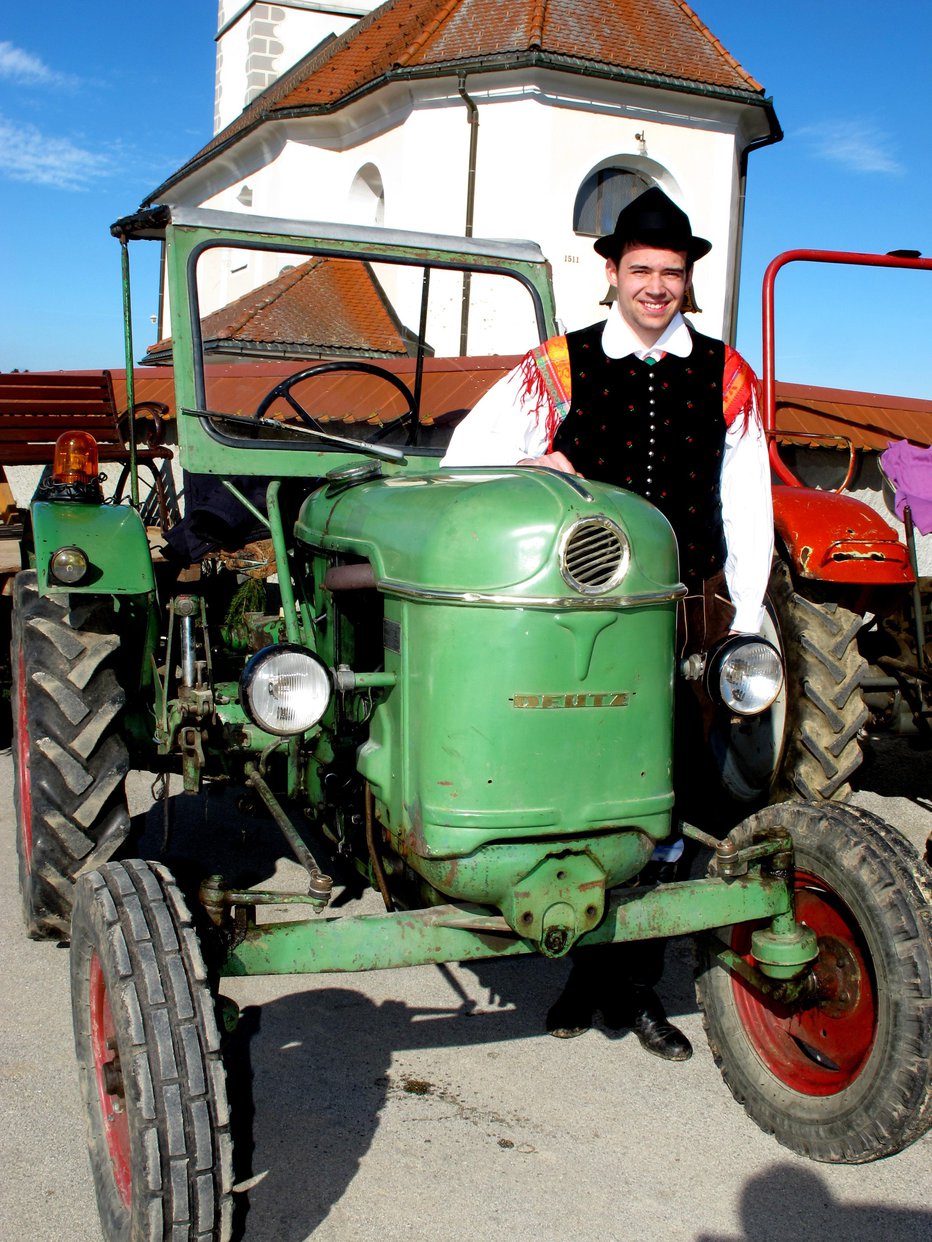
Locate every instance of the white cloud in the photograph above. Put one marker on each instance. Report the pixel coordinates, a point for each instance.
(856, 145)
(25, 69)
(26, 154)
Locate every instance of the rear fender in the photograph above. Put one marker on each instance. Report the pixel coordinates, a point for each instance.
(831, 537)
(112, 537)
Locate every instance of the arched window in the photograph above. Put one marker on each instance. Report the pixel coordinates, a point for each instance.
(367, 197)
(603, 195)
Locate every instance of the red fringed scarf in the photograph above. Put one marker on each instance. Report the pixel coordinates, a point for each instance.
(740, 389)
(546, 383)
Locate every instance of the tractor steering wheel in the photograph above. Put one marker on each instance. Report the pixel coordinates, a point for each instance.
(408, 418)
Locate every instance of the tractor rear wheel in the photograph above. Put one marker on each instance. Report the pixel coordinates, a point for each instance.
(69, 760)
(807, 744)
(846, 1077)
(149, 1060)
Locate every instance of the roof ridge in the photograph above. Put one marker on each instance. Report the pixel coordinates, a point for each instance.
(717, 44)
(536, 24)
(316, 59)
(446, 8)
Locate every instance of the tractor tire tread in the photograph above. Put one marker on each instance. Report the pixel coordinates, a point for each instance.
(184, 1151)
(824, 673)
(75, 759)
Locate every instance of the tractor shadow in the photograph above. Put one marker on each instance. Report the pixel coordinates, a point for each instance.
(311, 1073)
(203, 834)
(896, 767)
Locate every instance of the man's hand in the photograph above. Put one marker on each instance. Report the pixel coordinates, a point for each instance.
(551, 461)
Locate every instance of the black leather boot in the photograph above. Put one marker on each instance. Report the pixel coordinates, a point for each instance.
(570, 1014)
(656, 1034)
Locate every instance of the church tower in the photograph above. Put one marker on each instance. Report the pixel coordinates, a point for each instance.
(257, 42)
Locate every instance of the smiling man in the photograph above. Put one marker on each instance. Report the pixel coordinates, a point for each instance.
(644, 401)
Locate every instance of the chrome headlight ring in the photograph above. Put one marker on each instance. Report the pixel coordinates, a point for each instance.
(745, 674)
(285, 689)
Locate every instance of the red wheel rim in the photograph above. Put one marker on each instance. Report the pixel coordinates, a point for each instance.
(22, 767)
(819, 1047)
(109, 1079)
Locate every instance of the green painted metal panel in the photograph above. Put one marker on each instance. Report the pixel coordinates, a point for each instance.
(507, 678)
(112, 536)
(484, 531)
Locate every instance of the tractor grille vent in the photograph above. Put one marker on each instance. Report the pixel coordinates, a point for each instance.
(594, 556)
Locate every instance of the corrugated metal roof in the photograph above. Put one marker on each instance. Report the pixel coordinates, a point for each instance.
(452, 386)
(663, 42)
(868, 420)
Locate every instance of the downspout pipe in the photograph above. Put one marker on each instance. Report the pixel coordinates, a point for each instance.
(768, 140)
(473, 121)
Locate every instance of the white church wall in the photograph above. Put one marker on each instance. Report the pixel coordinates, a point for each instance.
(532, 158)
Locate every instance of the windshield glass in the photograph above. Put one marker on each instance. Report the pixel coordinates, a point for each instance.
(392, 352)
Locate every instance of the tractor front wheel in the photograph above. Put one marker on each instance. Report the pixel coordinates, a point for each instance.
(844, 1077)
(149, 1060)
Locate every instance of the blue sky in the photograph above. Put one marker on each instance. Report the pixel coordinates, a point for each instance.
(94, 115)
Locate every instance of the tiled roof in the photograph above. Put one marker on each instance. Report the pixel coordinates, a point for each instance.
(323, 305)
(659, 42)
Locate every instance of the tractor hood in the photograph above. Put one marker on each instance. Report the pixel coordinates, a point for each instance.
(477, 533)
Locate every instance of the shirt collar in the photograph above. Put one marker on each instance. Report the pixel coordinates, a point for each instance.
(619, 340)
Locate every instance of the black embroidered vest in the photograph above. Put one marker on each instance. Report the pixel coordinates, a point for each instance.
(655, 429)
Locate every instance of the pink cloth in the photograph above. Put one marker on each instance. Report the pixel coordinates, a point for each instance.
(909, 469)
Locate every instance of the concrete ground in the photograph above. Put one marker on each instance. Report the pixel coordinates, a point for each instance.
(428, 1104)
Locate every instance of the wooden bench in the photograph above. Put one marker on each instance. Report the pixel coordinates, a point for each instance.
(37, 407)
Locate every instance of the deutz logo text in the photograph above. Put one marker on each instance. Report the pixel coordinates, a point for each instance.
(608, 698)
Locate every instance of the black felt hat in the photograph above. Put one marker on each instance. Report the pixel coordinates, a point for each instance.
(655, 220)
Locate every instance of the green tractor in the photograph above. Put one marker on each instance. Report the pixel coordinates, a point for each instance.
(459, 682)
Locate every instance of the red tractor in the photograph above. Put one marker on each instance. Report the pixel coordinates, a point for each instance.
(847, 607)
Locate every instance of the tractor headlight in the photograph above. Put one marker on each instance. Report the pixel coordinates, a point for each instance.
(746, 674)
(285, 689)
(68, 565)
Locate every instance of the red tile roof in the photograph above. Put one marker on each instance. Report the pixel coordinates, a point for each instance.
(657, 42)
(323, 305)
